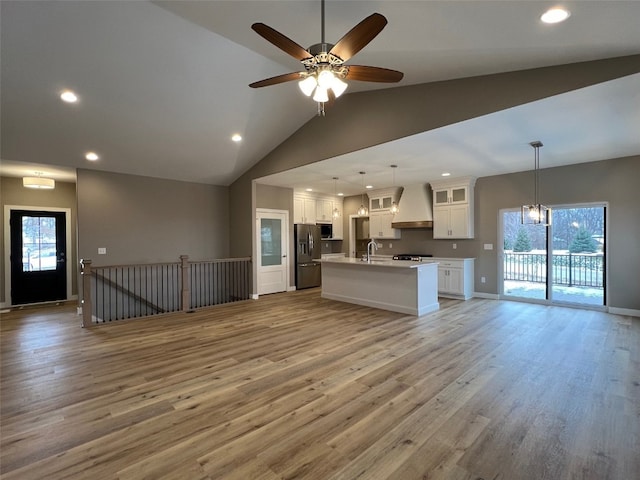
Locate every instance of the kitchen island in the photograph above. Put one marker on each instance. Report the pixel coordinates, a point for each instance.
(400, 286)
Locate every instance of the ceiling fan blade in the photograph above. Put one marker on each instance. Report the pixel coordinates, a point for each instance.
(286, 77)
(281, 41)
(373, 74)
(356, 38)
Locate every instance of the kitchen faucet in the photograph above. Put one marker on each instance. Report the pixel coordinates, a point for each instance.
(371, 246)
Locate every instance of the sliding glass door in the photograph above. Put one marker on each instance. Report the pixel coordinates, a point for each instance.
(563, 263)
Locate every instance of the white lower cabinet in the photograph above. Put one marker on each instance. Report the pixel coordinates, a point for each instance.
(455, 277)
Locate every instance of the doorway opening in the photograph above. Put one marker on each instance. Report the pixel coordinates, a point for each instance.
(564, 263)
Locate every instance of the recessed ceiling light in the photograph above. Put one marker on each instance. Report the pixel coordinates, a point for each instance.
(446, 174)
(309, 189)
(236, 137)
(341, 194)
(68, 96)
(369, 186)
(555, 15)
(92, 156)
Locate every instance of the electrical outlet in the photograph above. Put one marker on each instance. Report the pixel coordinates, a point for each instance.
(455, 245)
(390, 245)
(483, 280)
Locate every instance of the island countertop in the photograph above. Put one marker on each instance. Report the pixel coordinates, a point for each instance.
(398, 285)
(379, 262)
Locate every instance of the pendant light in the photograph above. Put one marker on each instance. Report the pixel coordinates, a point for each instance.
(536, 213)
(394, 206)
(362, 210)
(336, 210)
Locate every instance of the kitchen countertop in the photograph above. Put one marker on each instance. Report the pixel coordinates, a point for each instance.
(379, 262)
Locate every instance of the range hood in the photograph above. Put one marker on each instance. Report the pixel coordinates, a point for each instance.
(415, 208)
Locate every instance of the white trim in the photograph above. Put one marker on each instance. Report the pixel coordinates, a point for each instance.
(624, 311)
(7, 246)
(255, 296)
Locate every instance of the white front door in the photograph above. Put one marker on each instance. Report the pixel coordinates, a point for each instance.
(272, 230)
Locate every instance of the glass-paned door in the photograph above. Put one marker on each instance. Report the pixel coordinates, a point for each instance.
(272, 246)
(563, 263)
(38, 256)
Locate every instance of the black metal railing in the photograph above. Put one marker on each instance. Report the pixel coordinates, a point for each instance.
(219, 281)
(129, 291)
(571, 269)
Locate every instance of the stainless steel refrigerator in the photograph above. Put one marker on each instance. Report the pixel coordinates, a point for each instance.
(307, 241)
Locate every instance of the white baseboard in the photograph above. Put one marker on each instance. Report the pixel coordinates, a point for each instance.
(254, 296)
(8, 306)
(624, 311)
(291, 288)
(490, 296)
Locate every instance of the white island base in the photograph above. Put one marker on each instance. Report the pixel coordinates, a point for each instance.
(399, 286)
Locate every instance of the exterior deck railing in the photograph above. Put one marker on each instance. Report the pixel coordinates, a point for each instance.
(571, 269)
(119, 292)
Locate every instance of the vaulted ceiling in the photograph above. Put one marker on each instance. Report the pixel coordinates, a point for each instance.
(162, 86)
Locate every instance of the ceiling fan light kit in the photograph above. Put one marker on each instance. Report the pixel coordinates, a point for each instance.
(325, 72)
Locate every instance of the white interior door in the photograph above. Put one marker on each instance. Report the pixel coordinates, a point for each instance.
(272, 230)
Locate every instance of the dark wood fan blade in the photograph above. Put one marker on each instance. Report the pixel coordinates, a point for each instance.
(356, 38)
(281, 41)
(373, 74)
(287, 77)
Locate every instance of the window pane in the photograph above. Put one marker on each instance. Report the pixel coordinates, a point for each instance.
(271, 242)
(39, 249)
(525, 258)
(578, 255)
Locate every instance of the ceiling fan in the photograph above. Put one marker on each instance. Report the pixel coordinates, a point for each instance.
(324, 63)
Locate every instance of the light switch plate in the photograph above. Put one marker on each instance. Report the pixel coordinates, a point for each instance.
(102, 251)
(488, 246)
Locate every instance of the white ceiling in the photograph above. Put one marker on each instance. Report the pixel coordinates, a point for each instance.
(163, 86)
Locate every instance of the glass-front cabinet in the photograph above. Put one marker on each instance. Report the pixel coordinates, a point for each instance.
(453, 208)
(451, 196)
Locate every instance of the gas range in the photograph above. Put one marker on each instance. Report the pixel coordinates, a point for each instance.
(414, 257)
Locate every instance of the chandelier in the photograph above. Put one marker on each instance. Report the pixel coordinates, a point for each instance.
(536, 213)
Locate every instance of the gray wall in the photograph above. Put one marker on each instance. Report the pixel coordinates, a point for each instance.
(147, 220)
(63, 196)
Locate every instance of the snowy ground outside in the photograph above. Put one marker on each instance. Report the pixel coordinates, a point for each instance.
(583, 295)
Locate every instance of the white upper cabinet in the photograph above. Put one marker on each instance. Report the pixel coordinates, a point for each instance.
(304, 209)
(380, 218)
(324, 210)
(453, 208)
(311, 209)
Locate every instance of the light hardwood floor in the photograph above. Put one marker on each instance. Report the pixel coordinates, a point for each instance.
(295, 386)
